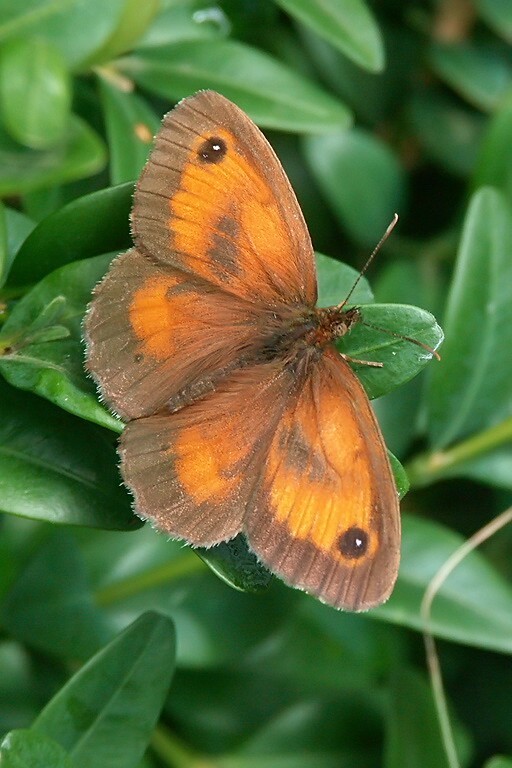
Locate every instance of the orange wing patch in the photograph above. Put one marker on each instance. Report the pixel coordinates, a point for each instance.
(326, 507)
(214, 200)
(323, 453)
(159, 338)
(189, 472)
(225, 223)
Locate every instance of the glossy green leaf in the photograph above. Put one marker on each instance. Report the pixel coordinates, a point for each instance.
(133, 21)
(105, 714)
(27, 749)
(17, 228)
(273, 95)
(35, 93)
(401, 479)
(479, 74)
(499, 762)
(131, 125)
(53, 365)
(401, 358)
(474, 605)
(77, 29)
(361, 179)
(4, 255)
(336, 280)
(19, 699)
(498, 14)
(494, 163)
(50, 606)
(187, 20)
(54, 467)
(89, 226)
(413, 734)
(145, 570)
(234, 563)
(470, 389)
(449, 134)
(348, 26)
(317, 733)
(372, 96)
(81, 154)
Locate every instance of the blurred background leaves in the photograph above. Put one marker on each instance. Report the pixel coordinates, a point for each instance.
(373, 108)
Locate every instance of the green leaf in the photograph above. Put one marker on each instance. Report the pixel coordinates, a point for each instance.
(77, 29)
(349, 26)
(499, 762)
(401, 358)
(413, 735)
(336, 280)
(105, 714)
(54, 467)
(474, 605)
(144, 570)
(27, 749)
(54, 367)
(449, 133)
(17, 228)
(81, 154)
(234, 563)
(373, 97)
(271, 93)
(19, 699)
(494, 163)
(470, 389)
(89, 226)
(133, 21)
(50, 607)
(4, 254)
(401, 479)
(131, 125)
(498, 14)
(186, 21)
(361, 179)
(35, 93)
(478, 73)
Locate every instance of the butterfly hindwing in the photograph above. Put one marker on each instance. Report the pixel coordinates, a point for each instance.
(325, 516)
(191, 472)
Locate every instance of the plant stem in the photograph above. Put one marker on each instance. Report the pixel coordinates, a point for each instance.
(175, 569)
(428, 467)
(173, 752)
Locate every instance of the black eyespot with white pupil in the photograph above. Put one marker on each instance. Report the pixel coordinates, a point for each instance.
(212, 150)
(353, 544)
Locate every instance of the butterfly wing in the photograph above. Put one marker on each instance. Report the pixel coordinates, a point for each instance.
(158, 337)
(325, 514)
(191, 472)
(222, 255)
(215, 201)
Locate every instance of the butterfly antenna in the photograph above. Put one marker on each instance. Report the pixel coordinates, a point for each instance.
(418, 343)
(370, 259)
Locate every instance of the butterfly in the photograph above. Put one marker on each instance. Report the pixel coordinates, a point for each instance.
(241, 414)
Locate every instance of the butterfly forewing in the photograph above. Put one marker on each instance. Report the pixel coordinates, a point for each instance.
(214, 200)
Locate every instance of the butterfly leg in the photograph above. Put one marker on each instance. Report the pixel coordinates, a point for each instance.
(371, 363)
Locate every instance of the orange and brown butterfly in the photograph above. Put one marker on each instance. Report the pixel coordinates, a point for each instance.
(242, 416)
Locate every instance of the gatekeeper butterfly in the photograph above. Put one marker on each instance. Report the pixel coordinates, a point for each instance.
(242, 415)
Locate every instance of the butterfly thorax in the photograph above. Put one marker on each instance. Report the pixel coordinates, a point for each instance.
(309, 329)
(331, 323)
